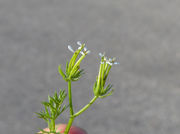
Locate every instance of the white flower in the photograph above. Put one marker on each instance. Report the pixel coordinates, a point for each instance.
(70, 48)
(112, 62)
(79, 43)
(116, 63)
(83, 52)
(101, 55)
(107, 61)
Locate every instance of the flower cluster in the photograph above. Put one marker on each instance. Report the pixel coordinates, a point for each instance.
(99, 86)
(84, 51)
(109, 61)
(73, 71)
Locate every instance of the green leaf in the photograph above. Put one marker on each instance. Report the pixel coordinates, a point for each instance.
(77, 75)
(61, 72)
(47, 111)
(110, 93)
(45, 103)
(67, 65)
(53, 108)
(107, 89)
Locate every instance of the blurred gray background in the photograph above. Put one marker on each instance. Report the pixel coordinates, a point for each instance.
(144, 35)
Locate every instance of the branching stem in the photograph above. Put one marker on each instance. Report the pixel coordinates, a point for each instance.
(85, 107)
(78, 113)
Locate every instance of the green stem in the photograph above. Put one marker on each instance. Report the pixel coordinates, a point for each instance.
(53, 125)
(70, 98)
(69, 125)
(71, 109)
(78, 113)
(85, 107)
(49, 125)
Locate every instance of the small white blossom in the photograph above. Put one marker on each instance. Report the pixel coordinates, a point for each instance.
(101, 55)
(110, 59)
(102, 62)
(79, 43)
(116, 63)
(70, 48)
(107, 61)
(83, 52)
(112, 62)
(88, 51)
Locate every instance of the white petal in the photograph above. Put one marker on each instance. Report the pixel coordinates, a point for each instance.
(85, 49)
(105, 58)
(70, 48)
(79, 43)
(116, 63)
(101, 55)
(82, 52)
(109, 63)
(88, 52)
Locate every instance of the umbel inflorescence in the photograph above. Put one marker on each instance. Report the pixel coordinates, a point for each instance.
(54, 107)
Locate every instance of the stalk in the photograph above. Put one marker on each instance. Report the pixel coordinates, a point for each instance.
(78, 113)
(70, 98)
(53, 125)
(71, 109)
(71, 119)
(85, 107)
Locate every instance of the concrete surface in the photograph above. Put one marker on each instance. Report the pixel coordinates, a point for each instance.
(144, 35)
